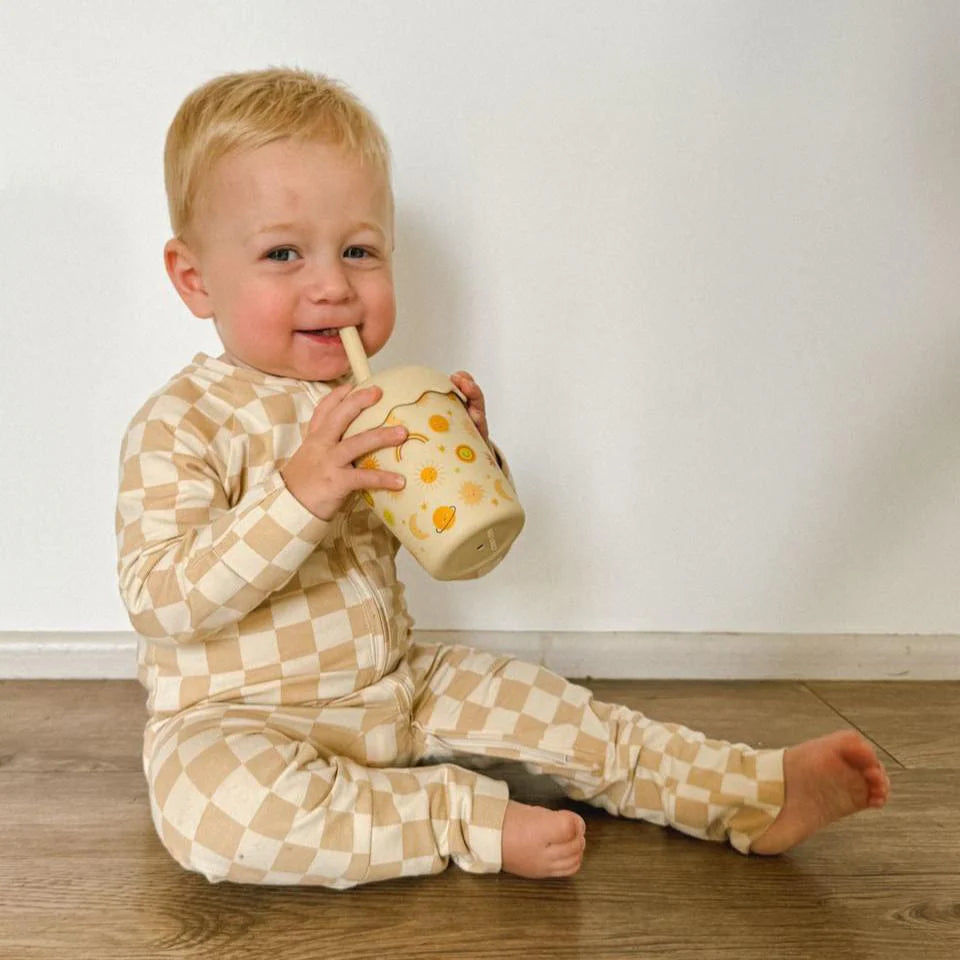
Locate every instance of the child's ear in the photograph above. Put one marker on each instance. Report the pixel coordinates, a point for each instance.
(183, 269)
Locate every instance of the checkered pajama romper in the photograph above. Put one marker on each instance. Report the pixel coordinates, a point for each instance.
(289, 709)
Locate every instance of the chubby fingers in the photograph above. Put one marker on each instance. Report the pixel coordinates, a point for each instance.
(333, 416)
(339, 408)
(356, 447)
(476, 405)
(465, 383)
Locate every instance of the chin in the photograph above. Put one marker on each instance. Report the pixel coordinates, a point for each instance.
(321, 373)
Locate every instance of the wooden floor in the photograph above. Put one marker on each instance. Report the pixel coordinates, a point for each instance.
(83, 875)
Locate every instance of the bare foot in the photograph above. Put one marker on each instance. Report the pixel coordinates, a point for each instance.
(542, 843)
(824, 780)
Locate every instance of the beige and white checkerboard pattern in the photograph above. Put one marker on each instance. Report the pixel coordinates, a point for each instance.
(469, 702)
(289, 795)
(288, 707)
(330, 794)
(237, 590)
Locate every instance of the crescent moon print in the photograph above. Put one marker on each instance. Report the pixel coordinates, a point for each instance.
(499, 486)
(415, 530)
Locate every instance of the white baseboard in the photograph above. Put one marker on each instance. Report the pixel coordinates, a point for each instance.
(680, 656)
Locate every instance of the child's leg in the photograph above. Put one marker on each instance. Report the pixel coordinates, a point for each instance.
(249, 794)
(609, 756)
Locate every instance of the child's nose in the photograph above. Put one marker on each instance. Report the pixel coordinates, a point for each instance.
(328, 282)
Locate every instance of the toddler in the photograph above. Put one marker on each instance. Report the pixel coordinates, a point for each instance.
(290, 711)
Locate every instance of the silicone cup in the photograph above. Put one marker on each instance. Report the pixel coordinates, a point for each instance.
(457, 513)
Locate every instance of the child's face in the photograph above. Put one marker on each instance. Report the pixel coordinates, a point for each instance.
(289, 240)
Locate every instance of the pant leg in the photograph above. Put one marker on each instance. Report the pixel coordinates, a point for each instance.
(469, 702)
(250, 794)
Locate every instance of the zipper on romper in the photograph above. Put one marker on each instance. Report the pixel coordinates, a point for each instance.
(352, 568)
(354, 571)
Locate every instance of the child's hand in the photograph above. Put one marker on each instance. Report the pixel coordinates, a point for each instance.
(321, 474)
(475, 405)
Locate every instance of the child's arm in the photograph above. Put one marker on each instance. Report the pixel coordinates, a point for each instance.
(190, 562)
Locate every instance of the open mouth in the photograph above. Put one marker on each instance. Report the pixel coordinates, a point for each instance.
(327, 333)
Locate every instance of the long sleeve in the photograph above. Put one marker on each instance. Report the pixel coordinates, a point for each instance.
(190, 561)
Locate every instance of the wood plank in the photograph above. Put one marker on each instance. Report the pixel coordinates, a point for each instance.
(71, 724)
(84, 876)
(106, 815)
(919, 723)
(642, 892)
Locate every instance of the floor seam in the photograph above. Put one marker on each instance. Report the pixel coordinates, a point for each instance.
(855, 726)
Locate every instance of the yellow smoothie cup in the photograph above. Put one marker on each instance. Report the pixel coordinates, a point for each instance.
(457, 513)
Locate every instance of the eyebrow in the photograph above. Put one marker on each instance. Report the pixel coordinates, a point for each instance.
(273, 228)
(289, 225)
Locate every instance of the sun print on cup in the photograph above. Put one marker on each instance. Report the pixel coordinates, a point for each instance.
(429, 474)
(370, 462)
(438, 423)
(472, 493)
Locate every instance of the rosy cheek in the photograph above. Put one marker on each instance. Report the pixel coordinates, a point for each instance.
(388, 305)
(256, 318)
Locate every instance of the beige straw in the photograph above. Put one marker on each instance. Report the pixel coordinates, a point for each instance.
(355, 353)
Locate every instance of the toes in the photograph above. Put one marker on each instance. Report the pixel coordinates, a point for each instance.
(566, 851)
(569, 863)
(570, 827)
(877, 798)
(877, 780)
(857, 751)
(567, 868)
(878, 785)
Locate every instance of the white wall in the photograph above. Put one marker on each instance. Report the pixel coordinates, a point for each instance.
(699, 255)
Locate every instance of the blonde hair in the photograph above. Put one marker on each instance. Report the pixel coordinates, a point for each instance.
(240, 111)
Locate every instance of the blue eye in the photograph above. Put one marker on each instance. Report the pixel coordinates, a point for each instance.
(355, 253)
(279, 255)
